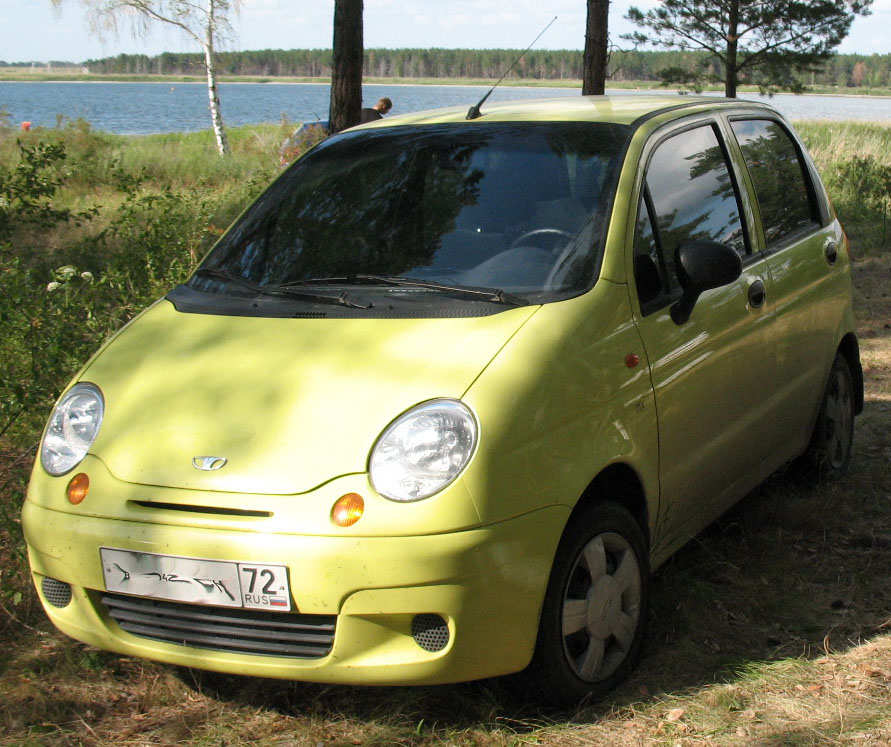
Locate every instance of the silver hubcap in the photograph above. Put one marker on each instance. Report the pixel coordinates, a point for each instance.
(601, 607)
(839, 415)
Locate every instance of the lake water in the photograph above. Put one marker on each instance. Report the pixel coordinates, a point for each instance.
(141, 108)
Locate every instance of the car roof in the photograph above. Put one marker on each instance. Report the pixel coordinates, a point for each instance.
(620, 109)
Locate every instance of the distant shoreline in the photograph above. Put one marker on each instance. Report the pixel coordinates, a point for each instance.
(16, 77)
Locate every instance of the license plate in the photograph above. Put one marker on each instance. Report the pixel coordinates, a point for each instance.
(197, 580)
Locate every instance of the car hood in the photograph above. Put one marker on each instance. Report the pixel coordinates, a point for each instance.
(288, 403)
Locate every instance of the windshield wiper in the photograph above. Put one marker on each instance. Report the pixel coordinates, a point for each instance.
(495, 295)
(279, 290)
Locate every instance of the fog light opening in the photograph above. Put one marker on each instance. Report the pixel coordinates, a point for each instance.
(57, 593)
(430, 632)
(347, 509)
(78, 488)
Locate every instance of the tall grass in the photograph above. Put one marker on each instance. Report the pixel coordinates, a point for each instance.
(855, 161)
(833, 142)
(101, 172)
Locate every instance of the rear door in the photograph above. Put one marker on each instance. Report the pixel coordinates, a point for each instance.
(802, 244)
(710, 373)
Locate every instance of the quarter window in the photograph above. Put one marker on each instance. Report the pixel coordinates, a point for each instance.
(654, 273)
(784, 191)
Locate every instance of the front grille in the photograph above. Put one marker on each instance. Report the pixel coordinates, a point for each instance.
(224, 628)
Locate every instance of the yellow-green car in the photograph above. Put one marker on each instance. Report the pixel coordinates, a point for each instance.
(436, 404)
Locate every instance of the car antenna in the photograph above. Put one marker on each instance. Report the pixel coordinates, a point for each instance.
(474, 111)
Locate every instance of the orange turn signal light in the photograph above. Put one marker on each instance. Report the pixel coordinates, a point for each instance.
(78, 488)
(347, 509)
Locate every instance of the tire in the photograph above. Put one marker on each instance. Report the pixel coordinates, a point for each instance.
(829, 452)
(595, 609)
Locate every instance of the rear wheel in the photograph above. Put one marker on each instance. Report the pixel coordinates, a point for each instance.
(829, 452)
(594, 613)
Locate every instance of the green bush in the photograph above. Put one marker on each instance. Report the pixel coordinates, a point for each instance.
(28, 189)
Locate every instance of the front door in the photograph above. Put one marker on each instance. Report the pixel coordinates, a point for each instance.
(709, 373)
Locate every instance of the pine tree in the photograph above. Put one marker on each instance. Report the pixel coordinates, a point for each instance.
(764, 43)
(596, 42)
(346, 73)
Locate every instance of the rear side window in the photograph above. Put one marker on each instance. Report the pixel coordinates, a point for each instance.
(782, 185)
(689, 195)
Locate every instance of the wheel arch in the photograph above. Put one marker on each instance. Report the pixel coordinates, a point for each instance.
(850, 349)
(618, 483)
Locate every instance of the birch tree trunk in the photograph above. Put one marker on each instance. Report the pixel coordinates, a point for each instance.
(204, 21)
(216, 116)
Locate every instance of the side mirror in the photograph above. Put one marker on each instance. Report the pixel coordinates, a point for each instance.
(701, 266)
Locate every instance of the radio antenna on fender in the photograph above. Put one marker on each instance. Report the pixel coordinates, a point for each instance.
(474, 111)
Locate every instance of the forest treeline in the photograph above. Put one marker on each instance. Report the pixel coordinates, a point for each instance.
(845, 70)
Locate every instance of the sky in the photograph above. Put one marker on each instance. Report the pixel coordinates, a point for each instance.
(32, 30)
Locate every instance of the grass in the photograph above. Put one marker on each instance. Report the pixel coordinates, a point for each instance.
(853, 158)
(830, 143)
(184, 160)
(101, 168)
(772, 627)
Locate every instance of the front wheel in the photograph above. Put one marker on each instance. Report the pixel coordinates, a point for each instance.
(594, 614)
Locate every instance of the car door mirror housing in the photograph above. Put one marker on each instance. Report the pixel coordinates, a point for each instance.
(702, 265)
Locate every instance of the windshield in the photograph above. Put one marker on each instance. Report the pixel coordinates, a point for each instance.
(517, 208)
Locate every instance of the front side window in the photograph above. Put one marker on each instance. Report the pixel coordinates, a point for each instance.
(689, 195)
(779, 176)
(519, 207)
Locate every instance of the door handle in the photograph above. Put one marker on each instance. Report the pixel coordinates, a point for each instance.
(757, 294)
(830, 249)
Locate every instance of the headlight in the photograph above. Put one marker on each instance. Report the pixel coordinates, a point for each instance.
(423, 450)
(72, 428)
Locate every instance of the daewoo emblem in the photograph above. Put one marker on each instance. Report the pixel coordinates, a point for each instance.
(209, 463)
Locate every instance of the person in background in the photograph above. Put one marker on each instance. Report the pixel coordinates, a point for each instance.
(377, 111)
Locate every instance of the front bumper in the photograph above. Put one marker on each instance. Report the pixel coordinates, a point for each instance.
(487, 583)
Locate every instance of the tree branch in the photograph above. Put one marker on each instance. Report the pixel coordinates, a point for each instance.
(789, 40)
(147, 9)
(701, 19)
